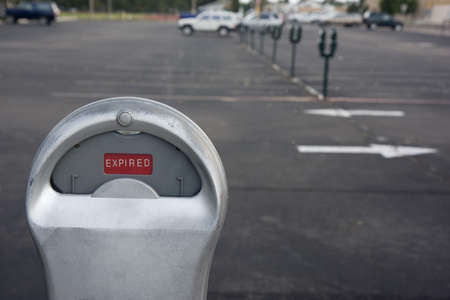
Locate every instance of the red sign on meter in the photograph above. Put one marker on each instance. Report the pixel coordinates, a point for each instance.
(128, 164)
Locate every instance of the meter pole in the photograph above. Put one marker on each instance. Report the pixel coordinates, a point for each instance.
(294, 37)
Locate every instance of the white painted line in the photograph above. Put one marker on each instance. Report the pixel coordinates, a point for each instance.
(387, 151)
(388, 101)
(276, 67)
(342, 113)
(377, 113)
(314, 92)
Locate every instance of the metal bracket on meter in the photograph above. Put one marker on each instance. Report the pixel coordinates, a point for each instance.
(126, 200)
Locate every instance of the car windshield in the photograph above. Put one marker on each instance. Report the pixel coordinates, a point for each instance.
(25, 5)
(43, 6)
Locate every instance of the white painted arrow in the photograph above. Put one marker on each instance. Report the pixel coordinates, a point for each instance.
(387, 151)
(342, 113)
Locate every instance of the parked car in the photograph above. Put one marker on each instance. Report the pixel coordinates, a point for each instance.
(300, 17)
(221, 22)
(186, 14)
(319, 17)
(44, 12)
(341, 18)
(374, 20)
(264, 20)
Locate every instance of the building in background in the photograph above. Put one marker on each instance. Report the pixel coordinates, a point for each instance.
(434, 11)
(429, 11)
(373, 5)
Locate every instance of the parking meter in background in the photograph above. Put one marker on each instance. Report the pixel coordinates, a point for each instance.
(243, 34)
(276, 33)
(126, 200)
(327, 47)
(295, 35)
(262, 32)
(252, 37)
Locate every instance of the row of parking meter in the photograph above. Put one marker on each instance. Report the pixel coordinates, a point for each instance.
(327, 44)
(126, 200)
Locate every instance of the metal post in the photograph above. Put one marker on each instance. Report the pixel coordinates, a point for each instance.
(325, 77)
(109, 7)
(91, 9)
(193, 6)
(261, 41)
(252, 38)
(274, 51)
(241, 35)
(293, 61)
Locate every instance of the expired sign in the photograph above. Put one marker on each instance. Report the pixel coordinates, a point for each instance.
(128, 164)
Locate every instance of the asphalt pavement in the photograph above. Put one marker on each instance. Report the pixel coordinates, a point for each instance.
(361, 224)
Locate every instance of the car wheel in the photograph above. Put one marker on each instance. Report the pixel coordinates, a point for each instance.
(372, 26)
(10, 20)
(222, 32)
(187, 30)
(398, 28)
(42, 21)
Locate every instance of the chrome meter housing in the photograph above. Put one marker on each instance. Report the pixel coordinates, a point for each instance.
(146, 230)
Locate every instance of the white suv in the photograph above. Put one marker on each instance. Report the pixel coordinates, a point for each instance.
(221, 22)
(263, 20)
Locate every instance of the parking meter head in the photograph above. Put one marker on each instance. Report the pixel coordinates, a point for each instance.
(126, 200)
(276, 32)
(295, 33)
(321, 43)
(333, 43)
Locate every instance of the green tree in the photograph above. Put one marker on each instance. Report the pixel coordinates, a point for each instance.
(357, 7)
(394, 6)
(235, 5)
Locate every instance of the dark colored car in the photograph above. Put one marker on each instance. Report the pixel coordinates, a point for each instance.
(185, 14)
(375, 20)
(44, 12)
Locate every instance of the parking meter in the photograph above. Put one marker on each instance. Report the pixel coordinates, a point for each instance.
(327, 53)
(276, 35)
(252, 37)
(321, 42)
(243, 30)
(332, 43)
(295, 35)
(126, 200)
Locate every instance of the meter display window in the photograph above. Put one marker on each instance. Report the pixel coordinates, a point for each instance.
(113, 155)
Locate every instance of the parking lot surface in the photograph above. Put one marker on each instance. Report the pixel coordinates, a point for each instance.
(300, 225)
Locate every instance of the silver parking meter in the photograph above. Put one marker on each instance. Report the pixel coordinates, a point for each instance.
(126, 200)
